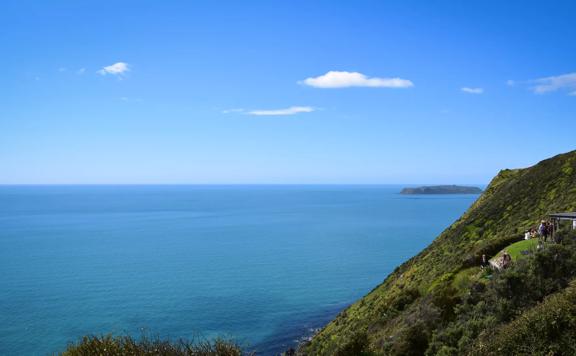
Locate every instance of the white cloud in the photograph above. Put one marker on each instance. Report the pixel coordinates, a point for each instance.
(510, 83)
(549, 84)
(293, 110)
(336, 79)
(572, 93)
(116, 69)
(472, 90)
(81, 71)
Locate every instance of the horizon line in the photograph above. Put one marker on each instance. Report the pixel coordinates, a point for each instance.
(223, 184)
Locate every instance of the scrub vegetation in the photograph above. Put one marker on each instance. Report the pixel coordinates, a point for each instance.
(126, 345)
(441, 302)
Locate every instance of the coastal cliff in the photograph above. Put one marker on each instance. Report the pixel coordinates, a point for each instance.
(443, 302)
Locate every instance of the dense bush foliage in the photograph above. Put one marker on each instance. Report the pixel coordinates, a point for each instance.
(547, 329)
(125, 345)
(440, 302)
(488, 305)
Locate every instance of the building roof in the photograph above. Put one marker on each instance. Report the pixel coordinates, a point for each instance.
(564, 216)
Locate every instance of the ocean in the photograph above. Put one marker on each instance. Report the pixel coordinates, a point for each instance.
(262, 264)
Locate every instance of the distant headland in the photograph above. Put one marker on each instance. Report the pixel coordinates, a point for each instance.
(442, 189)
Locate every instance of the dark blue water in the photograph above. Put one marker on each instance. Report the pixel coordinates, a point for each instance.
(262, 264)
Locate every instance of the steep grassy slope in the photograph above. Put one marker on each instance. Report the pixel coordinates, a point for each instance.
(407, 312)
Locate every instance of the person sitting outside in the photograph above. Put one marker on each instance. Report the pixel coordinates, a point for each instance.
(506, 260)
(527, 235)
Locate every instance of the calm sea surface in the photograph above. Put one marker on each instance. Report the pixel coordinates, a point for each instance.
(261, 264)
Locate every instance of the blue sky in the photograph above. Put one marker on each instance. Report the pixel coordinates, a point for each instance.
(283, 92)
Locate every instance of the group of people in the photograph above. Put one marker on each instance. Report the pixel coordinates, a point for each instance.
(545, 230)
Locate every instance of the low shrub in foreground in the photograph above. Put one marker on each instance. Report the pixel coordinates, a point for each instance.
(547, 329)
(126, 345)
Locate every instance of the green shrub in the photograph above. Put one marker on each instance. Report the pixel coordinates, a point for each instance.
(505, 297)
(547, 329)
(110, 345)
(358, 345)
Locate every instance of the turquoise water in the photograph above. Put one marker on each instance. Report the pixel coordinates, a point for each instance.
(262, 264)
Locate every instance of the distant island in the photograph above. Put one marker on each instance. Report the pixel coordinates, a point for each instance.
(442, 189)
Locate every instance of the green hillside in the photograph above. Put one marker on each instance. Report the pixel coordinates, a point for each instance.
(442, 302)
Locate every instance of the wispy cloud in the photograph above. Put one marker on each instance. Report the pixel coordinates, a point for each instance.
(559, 82)
(293, 110)
(115, 69)
(81, 71)
(336, 79)
(231, 111)
(573, 93)
(472, 90)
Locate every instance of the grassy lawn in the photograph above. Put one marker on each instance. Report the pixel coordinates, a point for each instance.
(515, 249)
